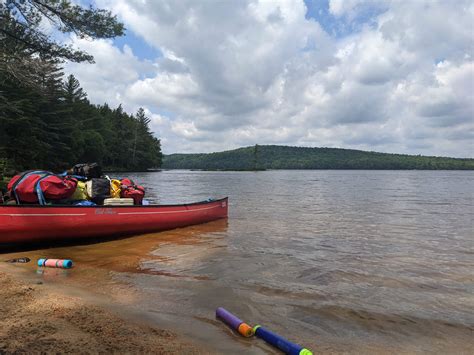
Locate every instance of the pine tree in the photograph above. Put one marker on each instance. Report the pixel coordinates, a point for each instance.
(147, 151)
(21, 23)
(73, 93)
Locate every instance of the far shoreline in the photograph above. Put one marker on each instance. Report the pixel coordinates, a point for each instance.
(302, 169)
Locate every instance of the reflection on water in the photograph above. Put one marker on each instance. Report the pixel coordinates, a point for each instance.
(341, 261)
(49, 274)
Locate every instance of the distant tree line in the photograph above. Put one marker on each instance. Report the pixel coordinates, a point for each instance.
(284, 157)
(46, 120)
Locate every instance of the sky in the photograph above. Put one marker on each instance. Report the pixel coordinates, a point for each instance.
(389, 76)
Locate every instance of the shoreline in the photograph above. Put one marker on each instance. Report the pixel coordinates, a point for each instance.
(44, 317)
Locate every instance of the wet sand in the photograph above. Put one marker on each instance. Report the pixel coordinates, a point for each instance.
(74, 309)
(100, 283)
(41, 318)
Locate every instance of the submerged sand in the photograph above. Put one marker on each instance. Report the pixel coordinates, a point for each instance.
(39, 319)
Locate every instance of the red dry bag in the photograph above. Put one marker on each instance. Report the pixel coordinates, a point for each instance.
(130, 190)
(36, 186)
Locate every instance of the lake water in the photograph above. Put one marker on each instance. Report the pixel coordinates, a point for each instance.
(339, 261)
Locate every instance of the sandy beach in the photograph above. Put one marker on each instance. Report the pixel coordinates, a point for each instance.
(37, 318)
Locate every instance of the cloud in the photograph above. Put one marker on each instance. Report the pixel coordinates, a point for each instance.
(400, 79)
(114, 69)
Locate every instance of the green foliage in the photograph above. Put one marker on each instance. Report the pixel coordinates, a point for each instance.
(4, 166)
(47, 122)
(284, 157)
(52, 125)
(21, 24)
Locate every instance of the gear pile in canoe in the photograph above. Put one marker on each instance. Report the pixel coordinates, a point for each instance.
(82, 203)
(82, 185)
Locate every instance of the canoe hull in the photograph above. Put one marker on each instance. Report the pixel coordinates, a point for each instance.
(20, 224)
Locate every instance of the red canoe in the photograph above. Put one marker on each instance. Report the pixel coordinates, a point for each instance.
(26, 223)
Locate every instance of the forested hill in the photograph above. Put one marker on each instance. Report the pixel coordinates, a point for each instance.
(284, 157)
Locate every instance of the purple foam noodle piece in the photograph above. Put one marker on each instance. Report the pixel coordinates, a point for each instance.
(228, 318)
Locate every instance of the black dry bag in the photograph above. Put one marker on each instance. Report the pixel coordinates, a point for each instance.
(98, 190)
(89, 171)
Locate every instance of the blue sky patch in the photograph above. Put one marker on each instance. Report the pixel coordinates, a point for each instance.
(140, 48)
(342, 26)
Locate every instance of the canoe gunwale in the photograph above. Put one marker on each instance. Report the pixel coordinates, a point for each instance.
(115, 206)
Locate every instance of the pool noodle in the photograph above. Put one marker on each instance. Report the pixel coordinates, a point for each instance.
(228, 318)
(281, 343)
(58, 263)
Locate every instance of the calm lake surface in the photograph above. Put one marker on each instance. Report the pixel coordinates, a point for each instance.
(340, 261)
(327, 257)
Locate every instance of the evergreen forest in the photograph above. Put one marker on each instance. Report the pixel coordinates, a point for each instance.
(46, 119)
